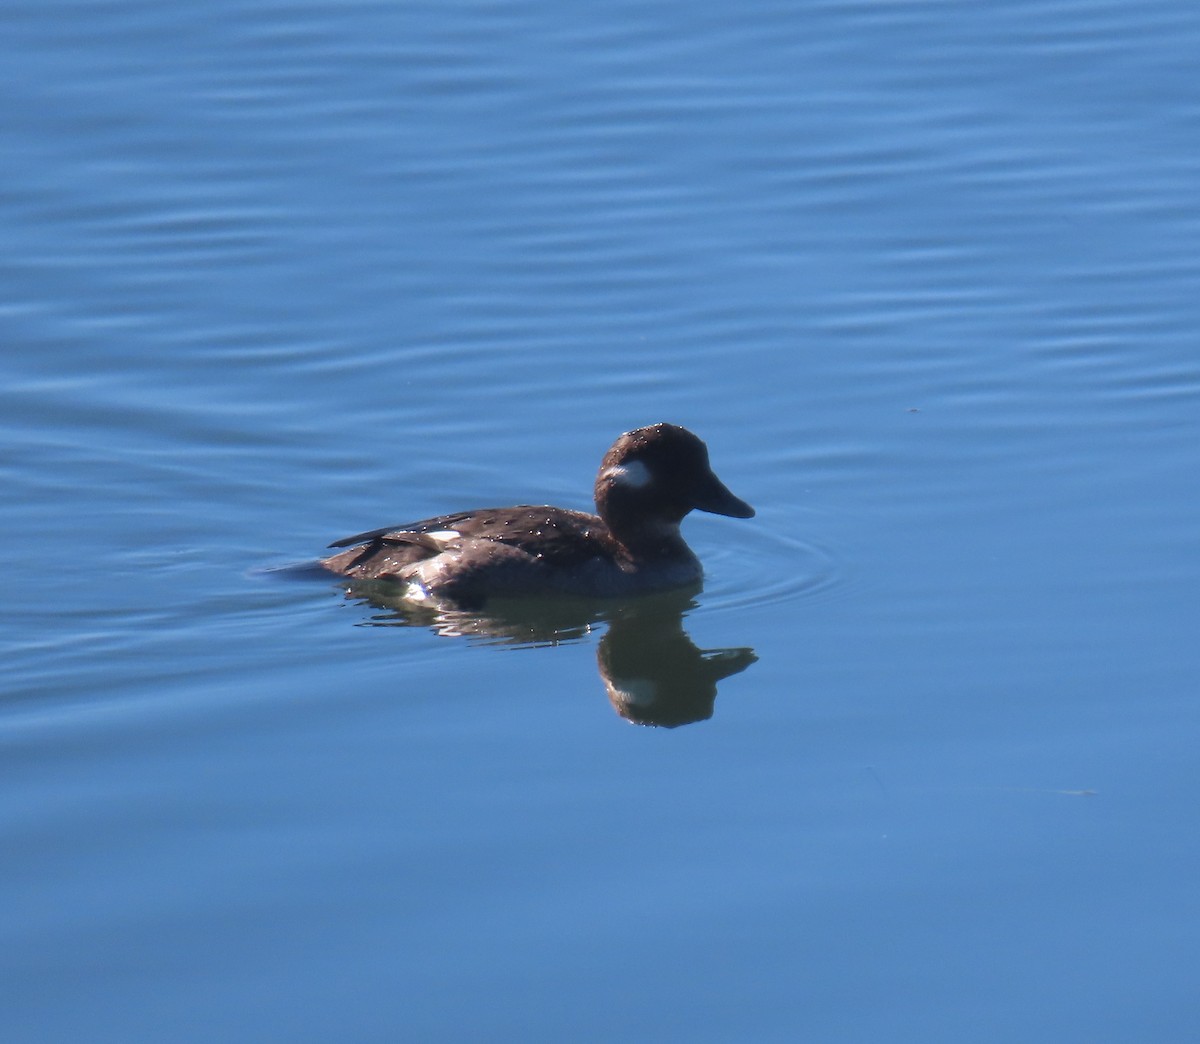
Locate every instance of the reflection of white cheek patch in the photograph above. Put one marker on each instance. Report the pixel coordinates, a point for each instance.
(636, 692)
(633, 475)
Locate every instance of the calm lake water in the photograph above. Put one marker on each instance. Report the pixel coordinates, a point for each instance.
(925, 276)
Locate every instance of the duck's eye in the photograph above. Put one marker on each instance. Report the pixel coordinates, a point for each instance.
(633, 475)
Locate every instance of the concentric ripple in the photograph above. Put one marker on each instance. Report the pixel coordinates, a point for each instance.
(764, 567)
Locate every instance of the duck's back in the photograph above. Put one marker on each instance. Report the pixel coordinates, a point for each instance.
(504, 550)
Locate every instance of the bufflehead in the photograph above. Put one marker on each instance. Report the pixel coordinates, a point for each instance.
(648, 481)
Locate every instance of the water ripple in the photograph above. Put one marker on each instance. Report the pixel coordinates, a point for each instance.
(766, 567)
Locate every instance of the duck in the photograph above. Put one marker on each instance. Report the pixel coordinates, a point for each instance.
(650, 479)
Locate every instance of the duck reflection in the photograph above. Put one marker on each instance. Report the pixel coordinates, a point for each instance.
(653, 672)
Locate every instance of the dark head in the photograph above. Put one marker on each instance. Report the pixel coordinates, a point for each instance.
(659, 474)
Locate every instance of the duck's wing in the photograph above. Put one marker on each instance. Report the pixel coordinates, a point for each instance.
(554, 535)
(407, 532)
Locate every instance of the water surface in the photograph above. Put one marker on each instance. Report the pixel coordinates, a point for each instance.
(922, 275)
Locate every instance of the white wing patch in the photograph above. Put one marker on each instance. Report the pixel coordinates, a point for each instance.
(635, 474)
(442, 537)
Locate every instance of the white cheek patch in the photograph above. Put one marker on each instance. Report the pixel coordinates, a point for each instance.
(634, 475)
(442, 537)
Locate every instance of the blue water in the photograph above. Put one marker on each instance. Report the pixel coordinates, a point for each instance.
(923, 276)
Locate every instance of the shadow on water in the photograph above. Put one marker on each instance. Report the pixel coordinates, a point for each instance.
(652, 671)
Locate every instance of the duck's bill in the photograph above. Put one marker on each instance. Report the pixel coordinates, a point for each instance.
(717, 500)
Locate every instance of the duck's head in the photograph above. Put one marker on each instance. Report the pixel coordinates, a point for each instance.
(656, 475)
